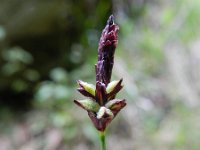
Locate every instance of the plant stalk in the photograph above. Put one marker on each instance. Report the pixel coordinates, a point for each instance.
(102, 139)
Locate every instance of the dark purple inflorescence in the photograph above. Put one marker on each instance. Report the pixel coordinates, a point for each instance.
(101, 104)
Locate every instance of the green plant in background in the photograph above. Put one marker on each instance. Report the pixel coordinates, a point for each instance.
(102, 106)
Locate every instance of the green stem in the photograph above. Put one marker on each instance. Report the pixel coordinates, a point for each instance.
(102, 139)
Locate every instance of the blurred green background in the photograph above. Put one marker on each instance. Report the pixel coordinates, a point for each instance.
(45, 46)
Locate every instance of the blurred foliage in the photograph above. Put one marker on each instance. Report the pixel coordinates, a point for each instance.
(45, 46)
(39, 37)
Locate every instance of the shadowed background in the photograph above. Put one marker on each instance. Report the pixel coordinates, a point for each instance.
(46, 46)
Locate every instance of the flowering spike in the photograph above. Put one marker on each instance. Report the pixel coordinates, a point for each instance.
(103, 107)
(106, 50)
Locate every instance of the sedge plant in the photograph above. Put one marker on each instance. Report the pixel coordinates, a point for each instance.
(101, 104)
